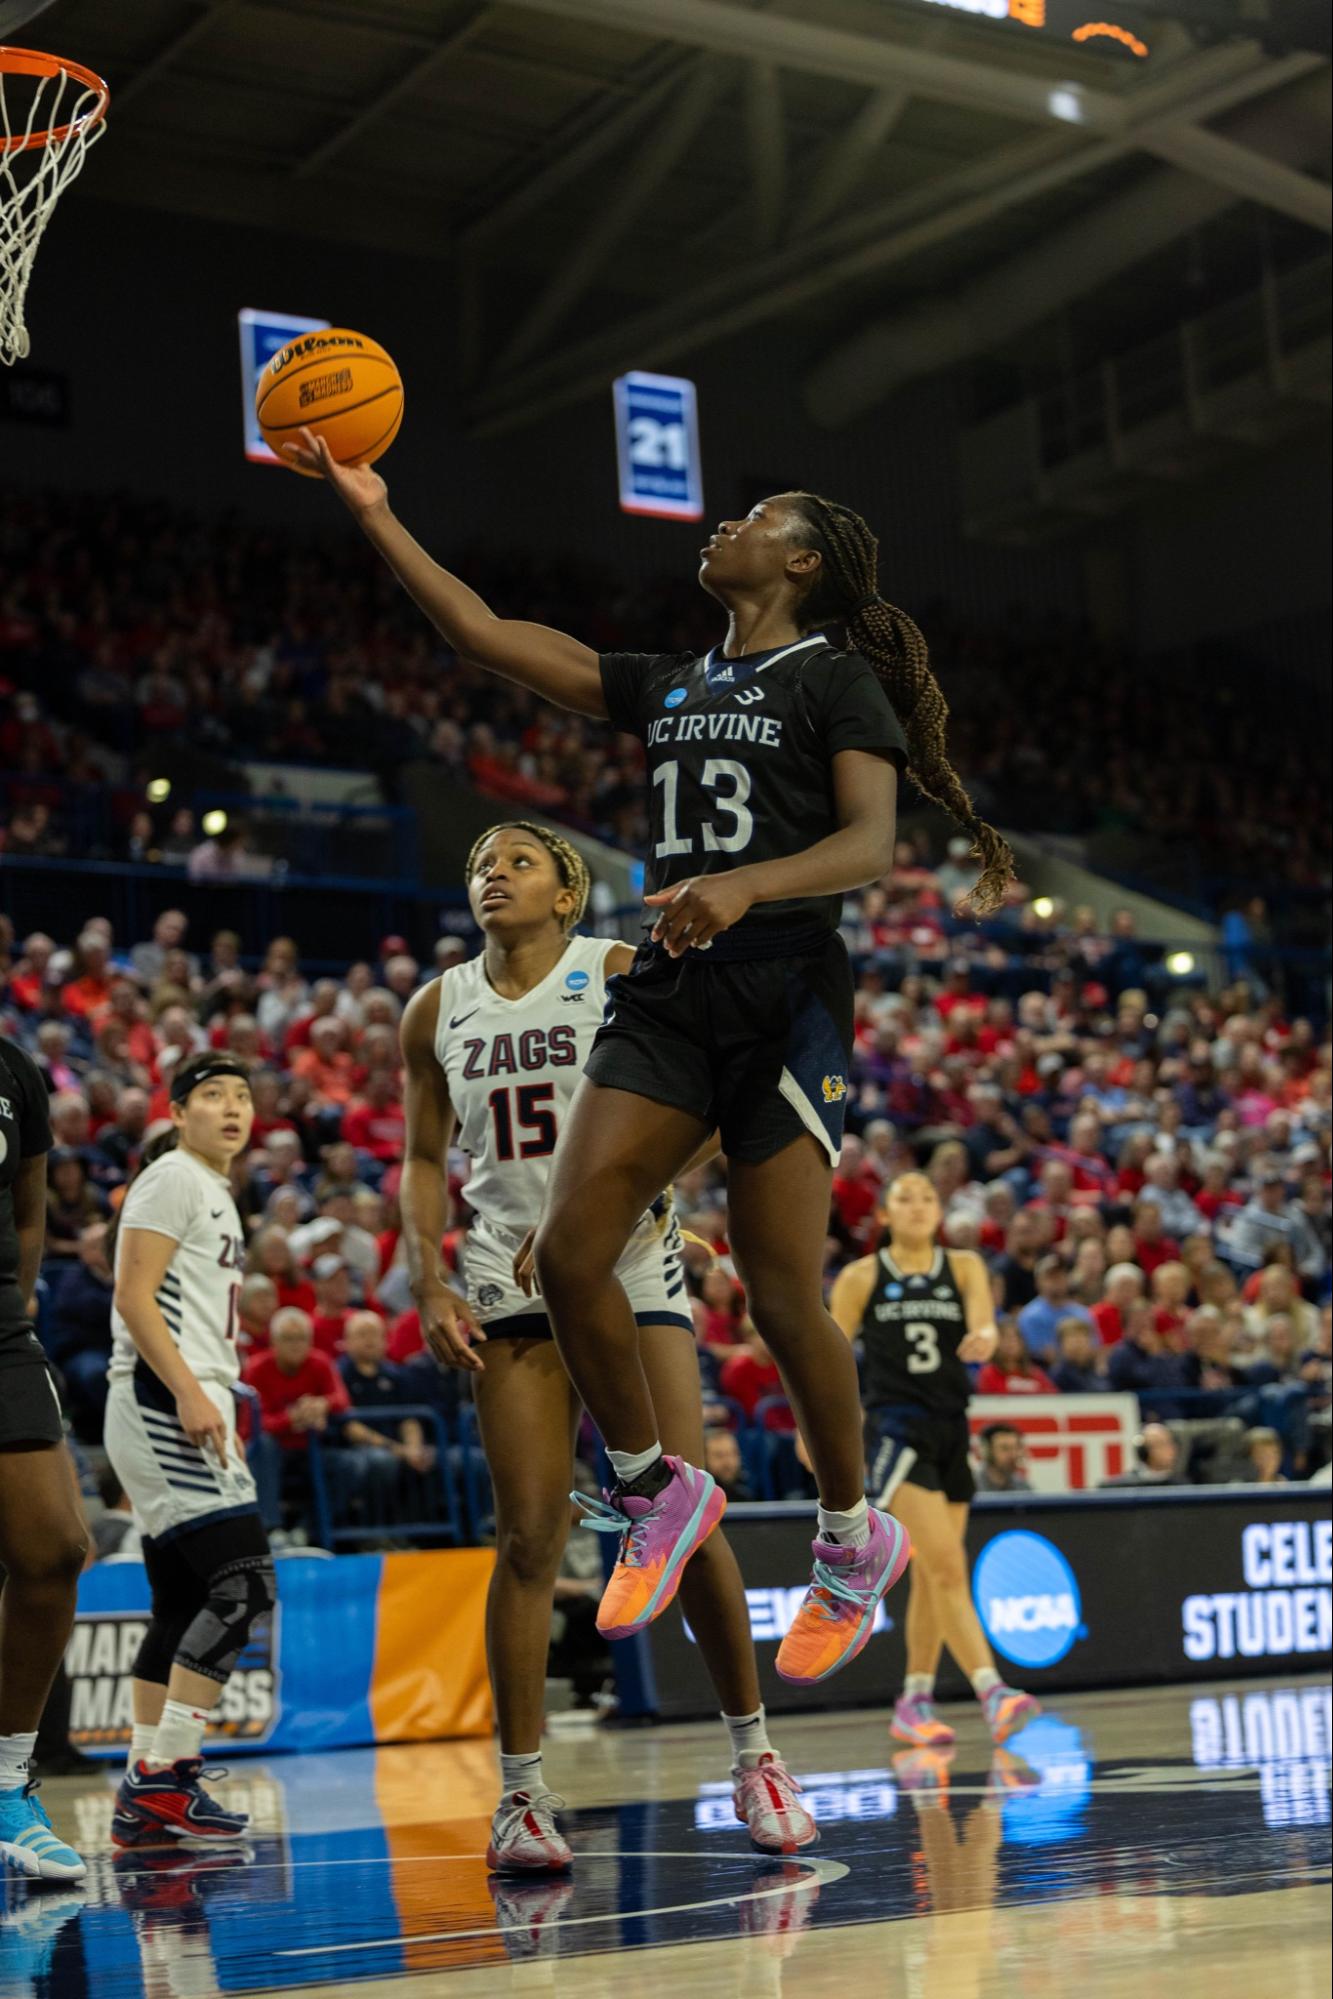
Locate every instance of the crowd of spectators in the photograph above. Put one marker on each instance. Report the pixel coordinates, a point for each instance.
(1147, 1181)
(123, 617)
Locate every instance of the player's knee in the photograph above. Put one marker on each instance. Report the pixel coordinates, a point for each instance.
(947, 1568)
(239, 1596)
(562, 1266)
(530, 1550)
(50, 1561)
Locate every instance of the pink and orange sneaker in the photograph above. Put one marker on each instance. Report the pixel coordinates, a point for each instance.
(1007, 1710)
(658, 1537)
(835, 1620)
(915, 1720)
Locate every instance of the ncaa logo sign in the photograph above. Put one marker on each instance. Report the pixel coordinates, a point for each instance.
(576, 981)
(1027, 1598)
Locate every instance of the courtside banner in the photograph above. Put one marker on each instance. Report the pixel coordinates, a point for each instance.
(1074, 1442)
(1082, 1590)
(361, 1649)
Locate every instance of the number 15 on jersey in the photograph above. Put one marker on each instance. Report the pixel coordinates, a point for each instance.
(657, 447)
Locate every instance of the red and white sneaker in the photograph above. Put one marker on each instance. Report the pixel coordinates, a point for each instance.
(154, 1807)
(766, 1801)
(525, 1838)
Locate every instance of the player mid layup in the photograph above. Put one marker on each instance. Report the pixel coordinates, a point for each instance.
(171, 1438)
(498, 1044)
(773, 762)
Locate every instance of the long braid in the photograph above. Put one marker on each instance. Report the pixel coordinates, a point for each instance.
(570, 864)
(846, 590)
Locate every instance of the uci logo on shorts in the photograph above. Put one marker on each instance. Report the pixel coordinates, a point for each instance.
(835, 1089)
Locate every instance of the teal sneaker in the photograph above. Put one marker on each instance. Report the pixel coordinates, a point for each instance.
(27, 1842)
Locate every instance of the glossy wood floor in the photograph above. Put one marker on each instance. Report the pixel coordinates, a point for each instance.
(1121, 1841)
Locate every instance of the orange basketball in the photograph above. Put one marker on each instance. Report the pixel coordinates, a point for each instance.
(339, 384)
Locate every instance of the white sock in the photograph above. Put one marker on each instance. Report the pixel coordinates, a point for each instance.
(850, 1529)
(983, 1681)
(16, 1759)
(919, 1686)
(523, 1773)
(141, 1742)
(180, 1733)
(629, 1465)
(749, 1738)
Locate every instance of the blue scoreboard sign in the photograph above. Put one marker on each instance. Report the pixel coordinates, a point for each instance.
(657, 447)
(262, 333)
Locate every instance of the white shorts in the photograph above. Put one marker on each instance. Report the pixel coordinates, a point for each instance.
(171, 1483)
(651, 1271)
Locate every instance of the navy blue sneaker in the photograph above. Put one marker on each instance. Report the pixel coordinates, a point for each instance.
(154, 1807)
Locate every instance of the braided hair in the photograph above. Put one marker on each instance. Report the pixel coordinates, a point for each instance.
(569, 862)
(845, 592)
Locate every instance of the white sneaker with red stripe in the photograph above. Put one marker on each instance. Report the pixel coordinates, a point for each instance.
(525, 1838)
(766, 1802)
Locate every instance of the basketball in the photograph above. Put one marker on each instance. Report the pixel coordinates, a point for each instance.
(339, 384)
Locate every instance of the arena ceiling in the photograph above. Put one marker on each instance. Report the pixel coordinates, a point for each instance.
(621, 182)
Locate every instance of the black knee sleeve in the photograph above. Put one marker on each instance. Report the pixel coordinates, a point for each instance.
(239, 1594)
(178, 1595)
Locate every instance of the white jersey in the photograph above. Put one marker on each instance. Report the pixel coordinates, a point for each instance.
(180, 1197)
(512, 1067)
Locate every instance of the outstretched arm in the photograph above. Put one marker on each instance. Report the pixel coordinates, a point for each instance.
(551, 663)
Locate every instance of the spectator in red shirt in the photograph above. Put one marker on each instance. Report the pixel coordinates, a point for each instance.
(333, 1301)
(375, 1123)
(91, 990)
(1152, 1245)
(958, 994)
(855, 1191)
(25, 986)
(1216, 1195)
(1012, 1371)
(720, 1321)
(271, 1256)
(255, 1310)
(1170, 1296)
(749, 1374)
(328, 1065)
(298, 1387)
(1124, 1287)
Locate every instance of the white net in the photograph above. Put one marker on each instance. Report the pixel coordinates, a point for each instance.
(34, 173)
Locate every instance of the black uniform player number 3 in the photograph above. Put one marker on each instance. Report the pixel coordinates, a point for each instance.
(730, 784)
(528, 1107)
(924, 1342)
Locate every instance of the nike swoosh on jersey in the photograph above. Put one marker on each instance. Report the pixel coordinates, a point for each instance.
(464, 1016)
(217, 1213)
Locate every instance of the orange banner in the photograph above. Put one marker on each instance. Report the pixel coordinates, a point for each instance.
(429, 1679)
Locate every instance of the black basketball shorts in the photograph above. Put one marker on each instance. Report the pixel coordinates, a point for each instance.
(910, 1446)
(759, 1048)
(29, 1405)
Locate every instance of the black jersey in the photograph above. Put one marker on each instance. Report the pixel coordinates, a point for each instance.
(25, 1133)
(740, 758)
(910, 1334)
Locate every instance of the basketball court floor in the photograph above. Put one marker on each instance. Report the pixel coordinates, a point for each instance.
(1122, 1840)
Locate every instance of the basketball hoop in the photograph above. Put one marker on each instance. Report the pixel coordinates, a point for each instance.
(51, 111)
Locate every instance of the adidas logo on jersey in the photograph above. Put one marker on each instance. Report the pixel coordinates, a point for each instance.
(835, 1089)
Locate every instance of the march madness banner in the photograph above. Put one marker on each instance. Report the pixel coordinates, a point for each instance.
(361, 1649)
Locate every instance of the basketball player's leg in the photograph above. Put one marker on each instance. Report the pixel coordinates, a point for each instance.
(712, 1597)
(940, 1556)
(777, 1213)
(528, 1415)
(43, 1547)
(712, 1594)
(617, 1152)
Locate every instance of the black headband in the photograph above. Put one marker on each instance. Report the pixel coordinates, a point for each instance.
(189, 1076)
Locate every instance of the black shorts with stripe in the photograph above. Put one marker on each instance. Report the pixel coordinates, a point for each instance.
(906, 1445)
(29, 1405)
(758, 1048)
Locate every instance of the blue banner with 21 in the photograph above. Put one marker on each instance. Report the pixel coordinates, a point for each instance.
(657, 447)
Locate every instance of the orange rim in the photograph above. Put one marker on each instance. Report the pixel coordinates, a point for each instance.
(34, 62)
